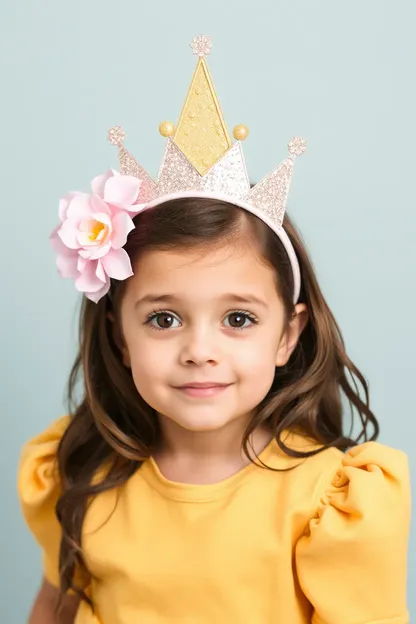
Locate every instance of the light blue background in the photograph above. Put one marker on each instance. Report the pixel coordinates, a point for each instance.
(342, 74)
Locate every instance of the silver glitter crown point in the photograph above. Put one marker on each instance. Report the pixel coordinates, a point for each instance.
(228, 177)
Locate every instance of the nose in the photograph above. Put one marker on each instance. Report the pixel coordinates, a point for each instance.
(200, 346)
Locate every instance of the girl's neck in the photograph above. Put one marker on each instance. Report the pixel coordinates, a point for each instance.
(203, 457)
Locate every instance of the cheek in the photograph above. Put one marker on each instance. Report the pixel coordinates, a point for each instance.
(258, 355)
(150, 363)
(255, 365)
(255, 370)
(145, 362)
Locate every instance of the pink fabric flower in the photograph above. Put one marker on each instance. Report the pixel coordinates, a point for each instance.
(93, 230)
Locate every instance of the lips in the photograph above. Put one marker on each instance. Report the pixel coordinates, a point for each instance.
(205, 389)
(203, 384)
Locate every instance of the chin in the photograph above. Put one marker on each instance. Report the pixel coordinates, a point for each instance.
(201, 424)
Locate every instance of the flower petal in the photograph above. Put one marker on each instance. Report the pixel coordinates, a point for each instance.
(68, 265)
(98, 183)
(117, 264)
(81, 263)
(88, 280)
(98, 205)
(122, 191)
(66, 259)
(68, 234)
(105, 218)
(122, 225)
(79, 208)
(99, 271)
(96, 296)
(93, 253)
(57, 244)
(64, 203)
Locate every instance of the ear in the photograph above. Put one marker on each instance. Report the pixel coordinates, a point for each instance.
(118, 339)
(290, 337)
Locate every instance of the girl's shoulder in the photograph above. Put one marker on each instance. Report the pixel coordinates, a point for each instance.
(362, 494)
(366, 454)
(356, 538)
(39, 489)
(38, 470)
(367, 481)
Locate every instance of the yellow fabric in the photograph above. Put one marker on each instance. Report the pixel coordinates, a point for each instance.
(325, 542)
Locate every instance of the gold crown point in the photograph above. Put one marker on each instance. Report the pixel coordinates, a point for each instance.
(240, 132)
(201, 45)
(116, 135)
(166, 128)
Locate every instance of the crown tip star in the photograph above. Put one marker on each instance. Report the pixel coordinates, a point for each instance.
(297, 146)
(201, 45)
(116, 135)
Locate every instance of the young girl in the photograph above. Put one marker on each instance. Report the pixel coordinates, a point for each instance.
(204, 476)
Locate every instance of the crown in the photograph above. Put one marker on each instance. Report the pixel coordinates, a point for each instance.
(201, 160)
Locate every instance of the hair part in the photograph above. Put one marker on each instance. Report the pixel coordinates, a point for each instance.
(113, 430)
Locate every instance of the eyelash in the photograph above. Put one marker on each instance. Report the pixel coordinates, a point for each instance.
(153, 315)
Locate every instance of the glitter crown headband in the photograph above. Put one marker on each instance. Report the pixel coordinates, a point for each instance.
(199, 161)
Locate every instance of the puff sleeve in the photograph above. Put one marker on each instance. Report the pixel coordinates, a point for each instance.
(38, 489)
(352, 559)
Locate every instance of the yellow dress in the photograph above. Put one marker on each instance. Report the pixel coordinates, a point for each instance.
(323, 543)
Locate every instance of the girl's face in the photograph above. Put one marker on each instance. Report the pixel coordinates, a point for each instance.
(215, 319)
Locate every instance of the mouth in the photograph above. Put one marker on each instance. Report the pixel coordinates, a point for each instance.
(203, 389)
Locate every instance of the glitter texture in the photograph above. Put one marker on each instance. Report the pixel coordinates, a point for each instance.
(129, 166)
(176, 173)
(270, 195)
(201, 45)
(116, 135)
(297, 146)
(229, 175)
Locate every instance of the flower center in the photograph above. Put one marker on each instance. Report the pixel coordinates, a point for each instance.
(98, 232)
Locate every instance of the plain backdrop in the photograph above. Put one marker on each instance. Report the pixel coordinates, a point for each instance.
(341, 74)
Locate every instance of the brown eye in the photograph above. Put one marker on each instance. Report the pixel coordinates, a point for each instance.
(238, 319)
(164, 320)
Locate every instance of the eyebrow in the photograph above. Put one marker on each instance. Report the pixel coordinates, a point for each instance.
(170, 298)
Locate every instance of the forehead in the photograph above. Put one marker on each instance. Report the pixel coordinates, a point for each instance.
(203, 273)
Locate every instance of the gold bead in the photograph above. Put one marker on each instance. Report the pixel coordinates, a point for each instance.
(241, 132)
(166, 128)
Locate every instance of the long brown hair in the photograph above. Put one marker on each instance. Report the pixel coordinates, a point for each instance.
(113, 429)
